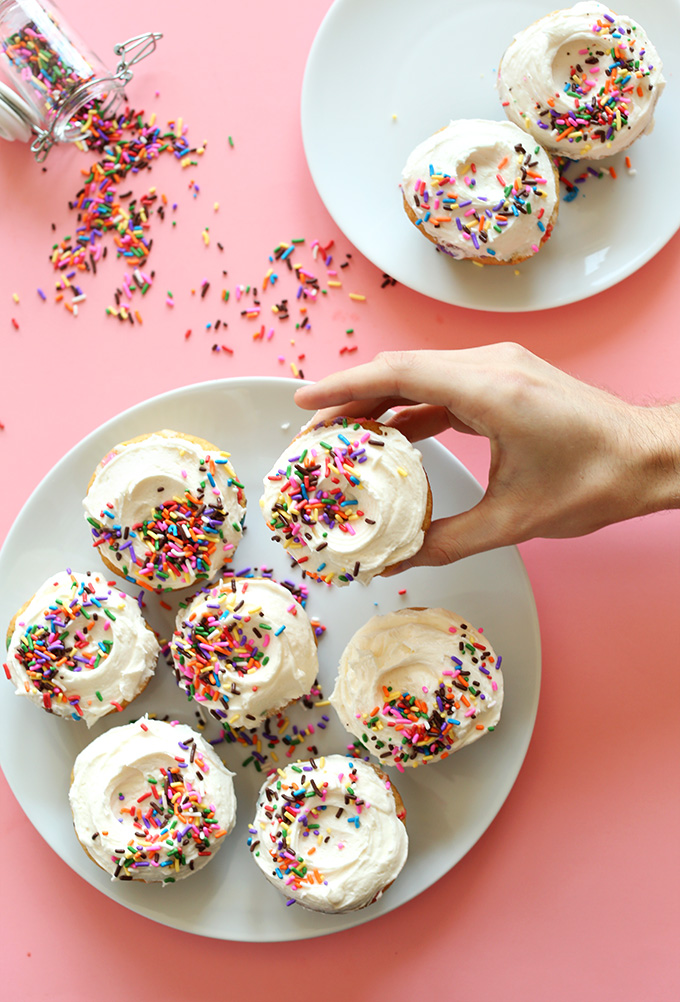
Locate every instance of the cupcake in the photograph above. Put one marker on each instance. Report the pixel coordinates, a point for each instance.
(348, 499)
(151, 801)
(329, 834)
(166, 510)
(583, 82)
(482, 191)
(417, 684)
(79, 648)
(244, 648)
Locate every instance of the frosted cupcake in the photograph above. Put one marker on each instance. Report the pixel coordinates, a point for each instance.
(418, 684)
(329, 834)
(151, 801)
(79, 648)
(583, 82)
(348, 499)
(482, 191)
(244, 649)
(166, 510)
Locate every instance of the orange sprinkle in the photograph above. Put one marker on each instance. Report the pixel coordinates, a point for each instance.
(628, 162)
(612, 172)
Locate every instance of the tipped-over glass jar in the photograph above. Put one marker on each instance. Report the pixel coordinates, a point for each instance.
(53, 76)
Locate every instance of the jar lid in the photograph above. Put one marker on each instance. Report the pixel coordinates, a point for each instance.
(17, 118)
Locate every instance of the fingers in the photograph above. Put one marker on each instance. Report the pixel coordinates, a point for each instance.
(484, 527)
(401, 375)
(357, 409)
(424, 420)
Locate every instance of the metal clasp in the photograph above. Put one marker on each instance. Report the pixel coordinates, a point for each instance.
(141, 45)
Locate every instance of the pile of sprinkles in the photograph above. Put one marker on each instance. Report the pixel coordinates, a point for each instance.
(317, 490)
(172, 821)
(439, 202)
(62, 644)
(603, 83)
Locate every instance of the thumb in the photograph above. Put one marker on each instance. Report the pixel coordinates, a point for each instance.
(449, 539)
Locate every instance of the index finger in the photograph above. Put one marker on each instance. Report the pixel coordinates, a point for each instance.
(391, 378)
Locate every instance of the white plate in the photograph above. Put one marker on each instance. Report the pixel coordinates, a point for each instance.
(374, 59)
(449, 804)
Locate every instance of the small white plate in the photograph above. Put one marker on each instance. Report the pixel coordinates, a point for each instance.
(449, 805)
(382, 75)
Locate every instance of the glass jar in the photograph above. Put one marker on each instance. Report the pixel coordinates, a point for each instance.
(53, 75)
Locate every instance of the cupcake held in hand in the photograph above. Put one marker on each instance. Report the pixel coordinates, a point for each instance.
(348, 499)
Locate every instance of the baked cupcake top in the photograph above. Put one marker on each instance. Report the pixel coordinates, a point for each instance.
(151, 801)
(417, 684)
(166, 510)
(80, 648)
(328, 833)
(481, 189)
(583, 81)
(347, 499)
(244, 648)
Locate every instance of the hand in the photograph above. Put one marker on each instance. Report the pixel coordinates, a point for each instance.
(566, 458)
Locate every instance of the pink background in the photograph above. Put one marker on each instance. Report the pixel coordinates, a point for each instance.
(573, 891)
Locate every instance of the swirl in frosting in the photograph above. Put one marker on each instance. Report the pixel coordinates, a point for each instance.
(481, 190)
(80, 648)
(583, 81)
(151, 801)
(166, 511)
(244, 648)
(347, 500)
(417, 684)
(329, 834)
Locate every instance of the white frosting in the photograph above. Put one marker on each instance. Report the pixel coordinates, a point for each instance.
(244, 648)
(365, 502)
(572, 49)
(174, 830)
(428, 655)
(358, 847)
(165, 468)
(96, 636)
(477, 194)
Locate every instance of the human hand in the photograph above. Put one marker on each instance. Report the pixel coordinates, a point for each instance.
(566, 458)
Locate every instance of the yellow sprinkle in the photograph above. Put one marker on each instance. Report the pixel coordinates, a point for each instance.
(402, 472)
(178, 127)
(394, 118)
(357, 297)
(478, 264)
(15, 297)
(294, 369)
(216, 206)
(186, 161)
(334, 285)
(233, 719)
(323, 702)
(152, 120)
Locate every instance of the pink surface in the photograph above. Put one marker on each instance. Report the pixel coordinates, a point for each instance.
(573, 891)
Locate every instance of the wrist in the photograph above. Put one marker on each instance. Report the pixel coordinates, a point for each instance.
(658, 457)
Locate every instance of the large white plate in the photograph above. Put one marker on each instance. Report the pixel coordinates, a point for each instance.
(449, 805)
(375, 59)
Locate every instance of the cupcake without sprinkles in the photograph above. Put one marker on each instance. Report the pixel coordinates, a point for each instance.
(482, 191)
(151, 801)
(166, 510)
(583, 81)
(348, 499)
(244, 649)
(329, 834)
(79, 648)
(416, 685)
